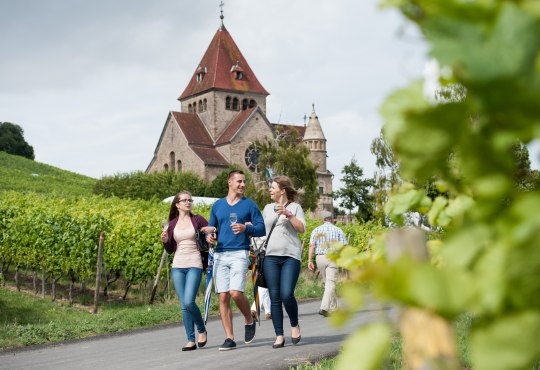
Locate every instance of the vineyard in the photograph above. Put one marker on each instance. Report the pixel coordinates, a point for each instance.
(59, 236)
(22, 174)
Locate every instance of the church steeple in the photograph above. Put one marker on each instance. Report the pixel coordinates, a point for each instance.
(223, 68)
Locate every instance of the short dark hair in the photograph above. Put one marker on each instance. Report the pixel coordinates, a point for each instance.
(234, 172)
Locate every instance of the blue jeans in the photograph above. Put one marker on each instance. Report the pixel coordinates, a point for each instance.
(281, 274)
(186, 283)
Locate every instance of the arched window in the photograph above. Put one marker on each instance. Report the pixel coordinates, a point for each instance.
(245, 104)
(178, 166)
(235, 104)
(252, 103)
(200, 106)
(165, 167)
(190, 108)
(205, 106)
(172, 161)
(321, 188)
(194, 107)
(228, 103)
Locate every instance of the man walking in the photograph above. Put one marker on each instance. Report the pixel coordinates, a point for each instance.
(234, 218)
(323, 238)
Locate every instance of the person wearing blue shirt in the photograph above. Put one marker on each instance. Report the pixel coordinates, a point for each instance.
(234, 219)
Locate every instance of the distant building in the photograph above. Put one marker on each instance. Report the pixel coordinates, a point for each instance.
(222, 113)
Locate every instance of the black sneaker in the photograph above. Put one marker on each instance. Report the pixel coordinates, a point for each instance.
(228, 345)
(250, 332)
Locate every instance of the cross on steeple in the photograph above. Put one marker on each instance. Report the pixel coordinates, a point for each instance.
(221, 16)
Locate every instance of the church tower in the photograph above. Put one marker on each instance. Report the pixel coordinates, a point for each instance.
(222, 85)
(316, 142)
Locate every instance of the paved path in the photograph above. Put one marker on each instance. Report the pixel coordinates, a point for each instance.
(160, 348)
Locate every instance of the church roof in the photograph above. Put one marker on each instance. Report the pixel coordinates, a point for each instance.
(199, 139)
(219, 67)
(234, 127)
(314, 130)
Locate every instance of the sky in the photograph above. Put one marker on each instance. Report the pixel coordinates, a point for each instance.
(92, 82)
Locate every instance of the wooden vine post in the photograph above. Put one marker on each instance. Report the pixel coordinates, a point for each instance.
(428, 339)
(98, 270)
(158, 274)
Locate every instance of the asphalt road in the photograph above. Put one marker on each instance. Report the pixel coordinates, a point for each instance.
(159, 348)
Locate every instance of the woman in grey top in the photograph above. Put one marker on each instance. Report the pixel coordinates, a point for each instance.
(283, 255)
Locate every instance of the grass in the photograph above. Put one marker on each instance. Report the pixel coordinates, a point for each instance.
(21, 174)
(27, 319)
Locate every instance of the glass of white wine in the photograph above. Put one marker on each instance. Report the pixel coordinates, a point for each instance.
(233, 218)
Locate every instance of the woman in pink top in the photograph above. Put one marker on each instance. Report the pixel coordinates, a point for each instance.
(188, 264)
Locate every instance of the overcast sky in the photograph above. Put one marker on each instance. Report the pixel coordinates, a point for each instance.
(92, 82)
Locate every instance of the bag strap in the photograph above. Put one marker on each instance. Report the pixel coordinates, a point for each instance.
(270, 233)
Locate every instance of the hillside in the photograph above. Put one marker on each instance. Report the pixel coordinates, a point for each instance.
(22, 174)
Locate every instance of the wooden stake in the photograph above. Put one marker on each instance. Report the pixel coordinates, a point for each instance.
(98, 271)
(156, 280)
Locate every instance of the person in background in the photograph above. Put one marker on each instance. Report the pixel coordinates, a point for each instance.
(264, 304)
(281, 265)
(321, 241)
(187, 265)
(234, 219)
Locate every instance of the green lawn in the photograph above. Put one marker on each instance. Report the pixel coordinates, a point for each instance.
(27, 319)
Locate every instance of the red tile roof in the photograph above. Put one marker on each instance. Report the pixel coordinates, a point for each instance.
(199, 139)
(234, 126)
(219, 64)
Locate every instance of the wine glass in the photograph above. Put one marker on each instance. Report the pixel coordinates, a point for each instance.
(164, 225)
(233, 218)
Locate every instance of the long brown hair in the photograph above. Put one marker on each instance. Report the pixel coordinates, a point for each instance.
(173, 211)
(285, 183)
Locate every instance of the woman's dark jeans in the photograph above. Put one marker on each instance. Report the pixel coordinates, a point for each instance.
(281, 274)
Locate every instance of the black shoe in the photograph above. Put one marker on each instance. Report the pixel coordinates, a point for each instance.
(280, 345)
(297, 339)
(228, 345)
(323, 313)
(189, 348)
(250, 332)
(202, 344)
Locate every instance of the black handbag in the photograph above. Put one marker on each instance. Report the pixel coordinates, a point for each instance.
(259, 259)
(202, 244)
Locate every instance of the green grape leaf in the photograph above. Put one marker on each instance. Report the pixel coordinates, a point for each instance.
(507, 343)
(366, 348)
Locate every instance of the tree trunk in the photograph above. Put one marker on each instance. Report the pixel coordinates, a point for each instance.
(128, 285)
(109, 281)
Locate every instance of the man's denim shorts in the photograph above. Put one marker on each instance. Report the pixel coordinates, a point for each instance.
(230, 270)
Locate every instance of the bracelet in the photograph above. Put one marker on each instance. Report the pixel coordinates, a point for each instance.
(289, 214)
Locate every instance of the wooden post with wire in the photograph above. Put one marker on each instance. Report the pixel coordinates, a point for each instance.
(98, 271)
(428, 339)
(158, 274)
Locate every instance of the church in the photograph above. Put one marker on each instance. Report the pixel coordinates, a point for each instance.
(222, 113)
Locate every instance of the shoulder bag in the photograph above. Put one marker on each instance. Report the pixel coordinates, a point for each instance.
(259, 259)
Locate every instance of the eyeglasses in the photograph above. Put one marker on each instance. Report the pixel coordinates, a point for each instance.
(185, 201)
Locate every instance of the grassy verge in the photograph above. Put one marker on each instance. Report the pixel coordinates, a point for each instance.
(27, 319)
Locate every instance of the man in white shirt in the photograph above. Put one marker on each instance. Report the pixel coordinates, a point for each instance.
(323, 239)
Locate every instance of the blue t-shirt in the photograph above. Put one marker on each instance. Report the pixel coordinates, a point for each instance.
(246, 211)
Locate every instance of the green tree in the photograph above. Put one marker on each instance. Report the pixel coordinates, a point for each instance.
(12, 140)
(288, 156)
(526, 179)
(356, 191)
(387, 176)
